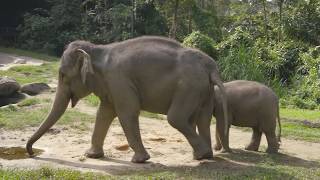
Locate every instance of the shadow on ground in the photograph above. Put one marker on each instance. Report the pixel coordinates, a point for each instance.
(238, 164)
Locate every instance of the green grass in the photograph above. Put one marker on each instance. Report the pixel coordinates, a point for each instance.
(300, 114)
(92, 100)
(13, 117)
(29, 74)
(239, 165)
(29, 102)
(20, 52)
(293, 130)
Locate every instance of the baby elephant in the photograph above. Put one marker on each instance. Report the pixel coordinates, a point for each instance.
(250, 104)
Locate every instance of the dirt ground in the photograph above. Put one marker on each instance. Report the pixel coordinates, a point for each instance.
(64, 147)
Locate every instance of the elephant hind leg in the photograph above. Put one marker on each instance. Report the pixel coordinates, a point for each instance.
(218, 145)
(180, 117)
(255, 140)
(273, 144)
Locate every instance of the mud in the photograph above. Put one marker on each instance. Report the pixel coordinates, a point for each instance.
(11, 153)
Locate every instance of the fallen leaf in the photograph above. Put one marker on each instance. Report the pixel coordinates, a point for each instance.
(123, 147)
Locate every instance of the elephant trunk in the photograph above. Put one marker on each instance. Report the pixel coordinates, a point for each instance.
(216, 80)
(59, 106)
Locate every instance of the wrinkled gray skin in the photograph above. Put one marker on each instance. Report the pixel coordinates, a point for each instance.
(147, 73)
(250, 104)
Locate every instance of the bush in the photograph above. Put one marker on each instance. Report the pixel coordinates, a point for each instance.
(280, 60)
(303, 22)
(241, 63)
(200, 41)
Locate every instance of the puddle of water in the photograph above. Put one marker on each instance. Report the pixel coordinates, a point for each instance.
(11, 153)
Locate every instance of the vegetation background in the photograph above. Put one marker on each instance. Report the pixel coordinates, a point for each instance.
(275, 42)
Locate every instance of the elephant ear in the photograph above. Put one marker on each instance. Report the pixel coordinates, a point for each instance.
(86, 65)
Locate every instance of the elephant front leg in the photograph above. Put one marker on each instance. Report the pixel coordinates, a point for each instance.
(105, 116)
(130, 125)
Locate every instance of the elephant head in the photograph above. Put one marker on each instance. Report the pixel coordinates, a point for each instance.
(74, 70)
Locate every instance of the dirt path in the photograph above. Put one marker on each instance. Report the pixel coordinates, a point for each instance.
(167, 147)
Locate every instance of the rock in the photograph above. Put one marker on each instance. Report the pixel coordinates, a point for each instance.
(34, 88)
(20, 61)
(8, 86)
(12, 99)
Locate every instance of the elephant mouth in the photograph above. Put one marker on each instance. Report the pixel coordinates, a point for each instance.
(74, 100)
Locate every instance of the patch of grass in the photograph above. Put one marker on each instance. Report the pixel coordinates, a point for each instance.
(300, 114)
(151, 115)
(92, 100)
(29, 102)
(20, 52)
(13, 117)
(48, 173)
(298, 131)
(29, 74)
(238, 165)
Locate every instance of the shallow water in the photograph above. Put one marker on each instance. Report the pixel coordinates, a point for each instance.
(11, 153)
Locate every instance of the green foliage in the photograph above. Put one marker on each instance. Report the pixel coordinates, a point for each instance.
(302, 21)
(306, 93)
(50, 31)
(207, 22)
(200, 41)
(149, 20)
(239, 59)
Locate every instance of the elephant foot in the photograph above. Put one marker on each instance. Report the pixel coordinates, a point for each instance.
(226, 150)
(251, 147)
(272, 150)
(140, 157)
(203, 155)
(217, 147)
(94, 153)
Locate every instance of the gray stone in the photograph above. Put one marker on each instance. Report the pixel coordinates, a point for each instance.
(20, 61)
(34, 88)
(12, 99)
(8, 86)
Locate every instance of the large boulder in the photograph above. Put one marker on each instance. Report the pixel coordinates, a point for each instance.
(12, 99)
(34, 88)
(8, 86)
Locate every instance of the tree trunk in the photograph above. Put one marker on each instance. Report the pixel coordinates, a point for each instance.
(190, 20)
(265, 19)
(280, 4)
(133, 18)
(173, 33)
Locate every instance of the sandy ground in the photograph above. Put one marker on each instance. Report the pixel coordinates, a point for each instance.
(64, 147)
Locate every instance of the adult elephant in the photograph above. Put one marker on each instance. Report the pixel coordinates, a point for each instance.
(154, 74)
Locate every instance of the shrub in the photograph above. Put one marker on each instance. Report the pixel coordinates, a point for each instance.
(200, 41)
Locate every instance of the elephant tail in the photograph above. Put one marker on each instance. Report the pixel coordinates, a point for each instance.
(216, 81)
(279, 129)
